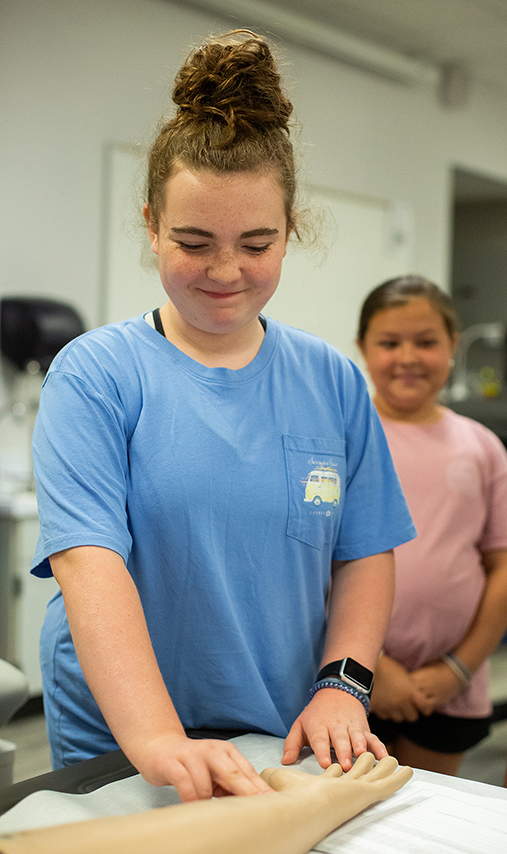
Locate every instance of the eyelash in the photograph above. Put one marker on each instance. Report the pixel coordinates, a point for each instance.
(258, 250)
(196, 247)
(390, 345)
(192, 247)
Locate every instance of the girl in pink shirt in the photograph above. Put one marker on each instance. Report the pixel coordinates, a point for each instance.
(430, 701)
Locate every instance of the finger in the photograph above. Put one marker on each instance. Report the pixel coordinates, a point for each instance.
(220, 792)
(363, 765)
(376, 746)
(342, 748)
(398, 716)
(280, 779)
(411, 714)
(386, 766)
(293, 745)
(334, 770)
(268, 775)
(388, 785)
(359, 741)
(321, 746)
(236, 781)
(424, 704)
(229, 767)
(180, 778)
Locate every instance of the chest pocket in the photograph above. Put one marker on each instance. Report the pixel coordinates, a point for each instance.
(316, 486)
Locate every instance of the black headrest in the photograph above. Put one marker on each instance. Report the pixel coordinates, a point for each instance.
(33, 329)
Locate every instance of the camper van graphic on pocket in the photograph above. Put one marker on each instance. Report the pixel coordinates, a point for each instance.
(322, 485)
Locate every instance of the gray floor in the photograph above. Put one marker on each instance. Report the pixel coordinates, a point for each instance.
(486, 762)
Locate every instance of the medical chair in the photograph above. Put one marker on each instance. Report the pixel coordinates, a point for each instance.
(13, 693)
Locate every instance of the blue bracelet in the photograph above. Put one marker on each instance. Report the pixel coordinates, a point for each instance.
(332, 682)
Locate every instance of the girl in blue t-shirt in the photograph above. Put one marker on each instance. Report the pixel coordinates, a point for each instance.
(172, 471)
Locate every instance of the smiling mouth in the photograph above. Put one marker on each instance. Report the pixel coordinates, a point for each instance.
(220, 295)
(410, 378)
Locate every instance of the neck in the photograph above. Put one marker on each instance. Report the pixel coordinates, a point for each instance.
(428, 414)
(233, 350)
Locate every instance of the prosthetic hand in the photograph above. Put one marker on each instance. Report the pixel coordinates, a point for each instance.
(303, 810)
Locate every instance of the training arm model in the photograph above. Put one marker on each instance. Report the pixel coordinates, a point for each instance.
(304, 809)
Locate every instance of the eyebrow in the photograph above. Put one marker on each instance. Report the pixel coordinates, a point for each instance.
(429, 331)
(200, 232)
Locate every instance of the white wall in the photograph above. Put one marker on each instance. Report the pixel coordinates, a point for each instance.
(79, 76)
(76, 76)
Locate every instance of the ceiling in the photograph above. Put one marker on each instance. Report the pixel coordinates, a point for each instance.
(468, 34)
(449, 44)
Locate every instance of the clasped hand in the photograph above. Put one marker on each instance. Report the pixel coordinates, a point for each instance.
(400, 695)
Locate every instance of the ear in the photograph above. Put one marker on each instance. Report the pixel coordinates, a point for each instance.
(360, 346)
(153, 234)
(455, 342)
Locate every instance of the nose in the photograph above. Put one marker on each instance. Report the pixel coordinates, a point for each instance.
(224, 268)
(407, 352)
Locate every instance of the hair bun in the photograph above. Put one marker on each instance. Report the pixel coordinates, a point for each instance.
(234, 85)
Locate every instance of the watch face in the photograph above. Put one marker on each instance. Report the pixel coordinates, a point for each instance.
(358, 674)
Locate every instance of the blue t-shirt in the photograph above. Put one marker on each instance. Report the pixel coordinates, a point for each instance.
(228, 493)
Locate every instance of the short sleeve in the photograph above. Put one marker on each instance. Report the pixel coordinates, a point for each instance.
(80, 464)
(376, 517)
(494, 535)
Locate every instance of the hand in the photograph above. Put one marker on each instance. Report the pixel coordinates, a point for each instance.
(395, 695)
(199, 768)
(347, 794)
(436, 682)
(335, 719)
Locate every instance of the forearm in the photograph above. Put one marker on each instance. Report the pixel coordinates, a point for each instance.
(113, 646)
(490, 621)
(359, 607)
(274, 824)
(362, 594)
(115, 652)
(290, 821)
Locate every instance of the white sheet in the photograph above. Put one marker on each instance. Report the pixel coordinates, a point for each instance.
(432, 814)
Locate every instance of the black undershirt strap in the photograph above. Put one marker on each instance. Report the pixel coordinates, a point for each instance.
(157, 321)
(159, 327)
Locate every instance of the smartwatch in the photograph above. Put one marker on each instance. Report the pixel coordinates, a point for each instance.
(351, 672)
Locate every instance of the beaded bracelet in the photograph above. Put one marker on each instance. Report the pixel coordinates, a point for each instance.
(332, 682)
(460, 670)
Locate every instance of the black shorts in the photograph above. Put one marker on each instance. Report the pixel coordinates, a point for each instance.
(442, 733)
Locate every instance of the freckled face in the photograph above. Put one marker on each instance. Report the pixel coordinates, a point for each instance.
(220, 244)
(407, 351)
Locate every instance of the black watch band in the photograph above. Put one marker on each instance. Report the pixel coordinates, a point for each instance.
(349, 671)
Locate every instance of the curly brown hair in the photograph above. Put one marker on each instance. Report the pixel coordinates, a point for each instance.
(232, 116)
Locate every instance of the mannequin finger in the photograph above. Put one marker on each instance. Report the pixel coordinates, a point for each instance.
(334, 770)
(384, 768)
(363, 765)
(283, 778)
(390, 784)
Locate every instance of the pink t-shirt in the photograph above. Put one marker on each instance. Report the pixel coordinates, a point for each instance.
(454, 475)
